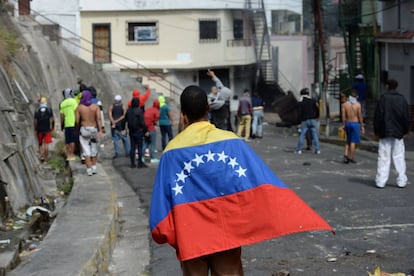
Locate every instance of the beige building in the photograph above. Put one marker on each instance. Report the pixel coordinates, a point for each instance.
(170, 49)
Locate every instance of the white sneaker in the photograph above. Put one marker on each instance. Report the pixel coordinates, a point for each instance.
(89, 171)
(298, 152)
(93, 169)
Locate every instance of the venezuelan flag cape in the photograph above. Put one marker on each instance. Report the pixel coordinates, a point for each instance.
(213, 193)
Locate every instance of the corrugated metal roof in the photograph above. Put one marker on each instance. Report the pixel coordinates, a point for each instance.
(395, 37)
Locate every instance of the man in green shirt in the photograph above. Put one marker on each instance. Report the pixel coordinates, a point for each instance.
(67, 120)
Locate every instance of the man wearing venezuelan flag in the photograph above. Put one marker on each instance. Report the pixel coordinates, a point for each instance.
(212, 194)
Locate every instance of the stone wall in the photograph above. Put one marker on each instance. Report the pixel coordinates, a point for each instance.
(41, 68)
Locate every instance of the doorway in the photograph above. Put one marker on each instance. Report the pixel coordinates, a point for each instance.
(24, 7)
(101, 43)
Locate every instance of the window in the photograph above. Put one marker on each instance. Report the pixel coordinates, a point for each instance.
(238, 29)
(142, 32)
(209, 30)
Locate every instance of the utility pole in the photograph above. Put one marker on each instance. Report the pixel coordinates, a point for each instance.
(315, 44)
(320, 61)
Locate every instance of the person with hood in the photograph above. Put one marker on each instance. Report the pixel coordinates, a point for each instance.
(77, 95)
(116, 114)
(88, 119)
(142, 98)
(151, 117)
(67, 110)
(44, 124)
(137, 131)
(165, 122)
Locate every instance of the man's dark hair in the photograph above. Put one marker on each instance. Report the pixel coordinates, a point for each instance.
(392, 84)
(194, 102)
(354, 93)
(135, 102)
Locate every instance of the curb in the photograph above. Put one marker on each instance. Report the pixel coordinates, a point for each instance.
(82, 238)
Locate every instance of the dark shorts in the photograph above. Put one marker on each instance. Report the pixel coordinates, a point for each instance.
(70, 136)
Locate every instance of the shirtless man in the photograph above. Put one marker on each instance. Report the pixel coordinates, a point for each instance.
(353, 124)
(88, 118)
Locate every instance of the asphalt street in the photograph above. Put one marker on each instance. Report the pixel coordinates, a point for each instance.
(374, 227)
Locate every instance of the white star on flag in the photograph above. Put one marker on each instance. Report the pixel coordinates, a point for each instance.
(233, 162)
(241, 171)
(178, 189)
(188, 167)
(198, 159)
(210, 156)
(222, 156)
(181, 176)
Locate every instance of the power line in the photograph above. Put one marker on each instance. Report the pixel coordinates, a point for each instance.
(113, 53)
(371, 13)
(122, 66)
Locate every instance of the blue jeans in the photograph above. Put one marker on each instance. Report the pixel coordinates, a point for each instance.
(116, 136)
(137, 143)
(166, 131)
(312, 126)
(257, 125)
(151, 146)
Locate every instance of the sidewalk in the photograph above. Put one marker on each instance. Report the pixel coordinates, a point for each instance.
(83, 238)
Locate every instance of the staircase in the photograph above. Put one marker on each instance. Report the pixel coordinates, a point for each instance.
(349, 20)
(261, 41)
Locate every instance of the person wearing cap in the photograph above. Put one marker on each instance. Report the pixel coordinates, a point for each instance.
(44, 124)
(67, 110)
(361, 87)
(309, 114)
(116, 115)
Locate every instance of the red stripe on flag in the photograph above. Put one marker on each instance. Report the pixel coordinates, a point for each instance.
(222, 223)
